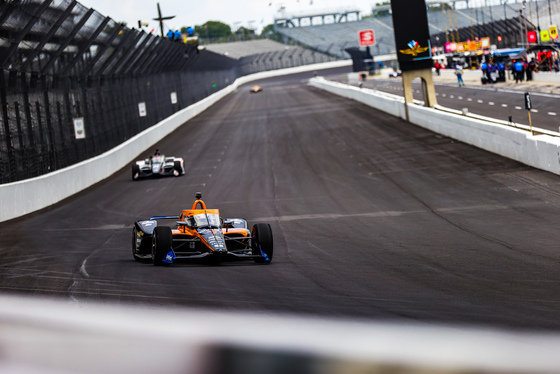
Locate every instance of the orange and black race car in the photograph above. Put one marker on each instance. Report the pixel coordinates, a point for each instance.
(256, 89)
(200, 233)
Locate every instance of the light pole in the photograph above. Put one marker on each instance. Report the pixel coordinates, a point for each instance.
(524, 25)
(161, 19)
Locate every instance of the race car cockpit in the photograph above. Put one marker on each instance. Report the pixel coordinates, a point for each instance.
(157, 159)
(203, 221)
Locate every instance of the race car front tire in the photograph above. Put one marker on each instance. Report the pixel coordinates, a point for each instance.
(135, 172)
(177, 169)
(136, 246)
(262, 241)
(162, 241)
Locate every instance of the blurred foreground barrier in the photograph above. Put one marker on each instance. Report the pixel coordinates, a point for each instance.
(541, 151)
(40, 336)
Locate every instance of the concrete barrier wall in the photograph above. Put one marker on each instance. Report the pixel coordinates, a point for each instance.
(23, 197)
(539, 151)
(385, 102)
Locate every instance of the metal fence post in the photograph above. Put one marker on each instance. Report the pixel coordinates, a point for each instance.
(50, 132)
(21, 146)
(9, 146)
(43, 144)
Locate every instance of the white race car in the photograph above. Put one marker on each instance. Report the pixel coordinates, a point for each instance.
(158, 165)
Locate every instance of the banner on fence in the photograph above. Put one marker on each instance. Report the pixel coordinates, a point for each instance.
(79, 128)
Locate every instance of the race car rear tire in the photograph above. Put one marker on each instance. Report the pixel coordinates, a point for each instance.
(135, 172)
(177, 169)
(162, 241)
(262, 241)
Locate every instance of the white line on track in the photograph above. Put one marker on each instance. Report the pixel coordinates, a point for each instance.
(490, 103)
(469, 99)
(479, 101)
(518, 108)
(488, 207)
(534, 110)
(200, 175)
(460, 97)
(551, 113)
(504, 105)
(83, 269)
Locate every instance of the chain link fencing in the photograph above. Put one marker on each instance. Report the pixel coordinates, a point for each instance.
(74, 83)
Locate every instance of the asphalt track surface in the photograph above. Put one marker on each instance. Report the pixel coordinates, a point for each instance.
(373, 218)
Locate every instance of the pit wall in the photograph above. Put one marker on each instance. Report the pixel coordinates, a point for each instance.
(24, 197)
(540, 151)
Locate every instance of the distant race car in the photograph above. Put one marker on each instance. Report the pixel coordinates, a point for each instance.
(158, 165)
(256, 89)
(200, 233)
(395, 74)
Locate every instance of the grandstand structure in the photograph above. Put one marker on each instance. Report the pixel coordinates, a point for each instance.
(449, 21)
(285, 19)
(253, 56)
(237, 50)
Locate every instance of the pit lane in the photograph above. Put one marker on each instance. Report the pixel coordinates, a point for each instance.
(372, 218)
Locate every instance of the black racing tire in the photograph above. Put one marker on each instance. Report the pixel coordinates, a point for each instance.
(135, 172)
(134, 247)
(177, 169)
(262, 240)
(162, 241)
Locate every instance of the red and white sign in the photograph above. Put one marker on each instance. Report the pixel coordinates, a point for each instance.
(367, 37)
(79, 129)
(532, 36)
(142, 109)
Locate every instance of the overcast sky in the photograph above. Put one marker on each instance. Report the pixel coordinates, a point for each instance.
(234, 13)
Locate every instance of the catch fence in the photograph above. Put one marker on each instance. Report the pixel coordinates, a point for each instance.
(74, 83)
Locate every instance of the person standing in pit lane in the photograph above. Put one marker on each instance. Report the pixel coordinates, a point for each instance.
(531, 66)
(484, 70)
(459, 73)
(501, 72)
(518, 70)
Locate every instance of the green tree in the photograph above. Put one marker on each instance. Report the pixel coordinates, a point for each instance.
(213, 30)
(381, 13)
(244, 33)
(268, 32)
(384, 11)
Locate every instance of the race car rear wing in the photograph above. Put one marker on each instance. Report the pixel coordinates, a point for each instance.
(163, 217)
